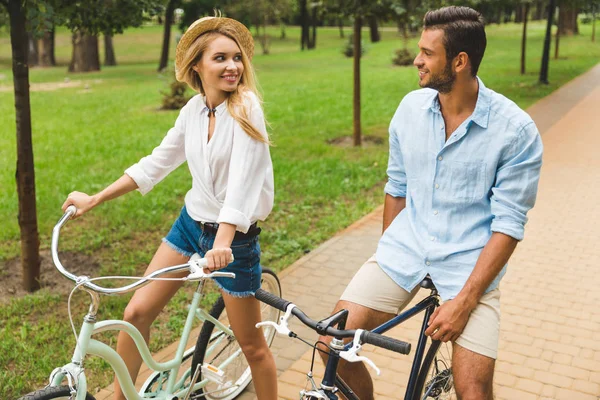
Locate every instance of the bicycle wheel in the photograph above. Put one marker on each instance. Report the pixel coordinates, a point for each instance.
(214, 347)
(435, 380)
(156, 383)
(53, 393)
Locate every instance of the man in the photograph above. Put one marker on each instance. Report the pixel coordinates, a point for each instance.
(463, 172)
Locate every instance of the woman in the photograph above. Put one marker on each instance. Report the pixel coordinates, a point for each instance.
(221, 134)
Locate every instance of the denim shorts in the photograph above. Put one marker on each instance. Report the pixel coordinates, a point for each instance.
(186, 237)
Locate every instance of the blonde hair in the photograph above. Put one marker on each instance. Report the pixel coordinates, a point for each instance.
(235, 100)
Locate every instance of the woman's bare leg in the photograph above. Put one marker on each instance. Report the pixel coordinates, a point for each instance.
(144, 307)
(243, 315)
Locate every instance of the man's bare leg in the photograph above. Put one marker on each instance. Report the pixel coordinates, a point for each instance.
(473, 374)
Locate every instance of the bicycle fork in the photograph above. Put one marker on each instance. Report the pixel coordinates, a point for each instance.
(74, 371)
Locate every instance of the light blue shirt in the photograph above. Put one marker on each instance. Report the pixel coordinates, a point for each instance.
(483, 179)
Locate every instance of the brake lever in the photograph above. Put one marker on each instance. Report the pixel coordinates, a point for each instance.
(282, 327)
(197, 265)
(351, 355)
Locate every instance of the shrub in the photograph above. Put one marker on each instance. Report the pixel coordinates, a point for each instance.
(175, 98)
(403, 57)
(348, 49)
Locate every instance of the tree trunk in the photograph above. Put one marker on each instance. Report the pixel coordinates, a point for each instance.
(283, 35)
(374, 29)
(85, 53)
(519, 14)
(567, 19)
(33, 53)
(540, 6)
(109, 51)
(593, 22)
(405, 36)
(265, 38)
(557, 41)
(341, 27)
(25, 174)
(312, 42)
(356, 103)
(164, 54)
(46, 45)
(525, 15)
(546, 53)
(304, 23)
(52, 46)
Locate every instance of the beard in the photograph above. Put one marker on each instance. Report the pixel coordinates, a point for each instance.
(442, 82)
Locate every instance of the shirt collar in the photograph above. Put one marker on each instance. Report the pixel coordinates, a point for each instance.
(481, 114)
(219, 109)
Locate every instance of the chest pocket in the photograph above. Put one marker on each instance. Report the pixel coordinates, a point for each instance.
(467, 180)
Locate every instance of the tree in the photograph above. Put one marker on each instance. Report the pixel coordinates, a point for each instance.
(546, 54)
(89, 18)
(261, 13)
(109, 51)
(164, 54)
(47, 56)
(557, 41)
(356, 131)
(358, 10)
(525, 15)
(25, 175)
(374, 29)
(593, 21)
(589, 8)
(567, 17)
(308, 19)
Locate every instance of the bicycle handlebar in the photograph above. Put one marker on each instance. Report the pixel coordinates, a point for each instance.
(195, 266)
(375, 339)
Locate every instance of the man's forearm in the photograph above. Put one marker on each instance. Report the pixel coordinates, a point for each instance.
(391, 208)
(492, 259)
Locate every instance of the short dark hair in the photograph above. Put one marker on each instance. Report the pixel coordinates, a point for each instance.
(464, 30)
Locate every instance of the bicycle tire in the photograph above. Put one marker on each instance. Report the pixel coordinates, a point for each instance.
(53, 393)
(240, 377)
(435, 380)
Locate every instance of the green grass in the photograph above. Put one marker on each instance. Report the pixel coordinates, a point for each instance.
(84, 139)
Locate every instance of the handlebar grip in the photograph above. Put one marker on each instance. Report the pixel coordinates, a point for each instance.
(71, 210)
(386, 342)
(272, 300)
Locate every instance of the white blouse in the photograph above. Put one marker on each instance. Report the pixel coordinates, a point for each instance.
(232, 175)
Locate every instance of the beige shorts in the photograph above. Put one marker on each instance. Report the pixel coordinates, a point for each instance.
(373, 288)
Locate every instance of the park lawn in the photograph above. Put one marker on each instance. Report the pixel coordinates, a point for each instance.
(85, 137)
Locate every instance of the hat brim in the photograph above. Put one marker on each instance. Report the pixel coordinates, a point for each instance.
(207, 24)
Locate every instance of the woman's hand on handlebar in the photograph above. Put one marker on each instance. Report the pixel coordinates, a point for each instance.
(218, 258)
(82, 201)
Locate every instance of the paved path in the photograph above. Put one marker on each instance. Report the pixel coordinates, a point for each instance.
(550, 330)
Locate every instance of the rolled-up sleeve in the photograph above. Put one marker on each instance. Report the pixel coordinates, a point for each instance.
(249, 167)
(396, 184)
(165, 158)
(517, 177)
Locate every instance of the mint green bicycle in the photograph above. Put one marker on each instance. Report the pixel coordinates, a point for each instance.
(215, 368)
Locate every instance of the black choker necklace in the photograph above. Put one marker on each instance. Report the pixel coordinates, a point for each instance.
(211, 110)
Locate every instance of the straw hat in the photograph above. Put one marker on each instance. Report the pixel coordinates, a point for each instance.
(207, 24)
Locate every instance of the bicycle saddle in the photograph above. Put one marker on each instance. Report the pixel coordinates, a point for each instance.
(427, 283)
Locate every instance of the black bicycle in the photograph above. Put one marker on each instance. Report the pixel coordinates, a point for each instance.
(431, 372)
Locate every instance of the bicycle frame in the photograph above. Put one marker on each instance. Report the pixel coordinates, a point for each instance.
(428, 305)
(75, 374)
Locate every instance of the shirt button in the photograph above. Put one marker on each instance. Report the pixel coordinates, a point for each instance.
(427, 263)
(435, 212)
(440, 158)
(437, 186)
